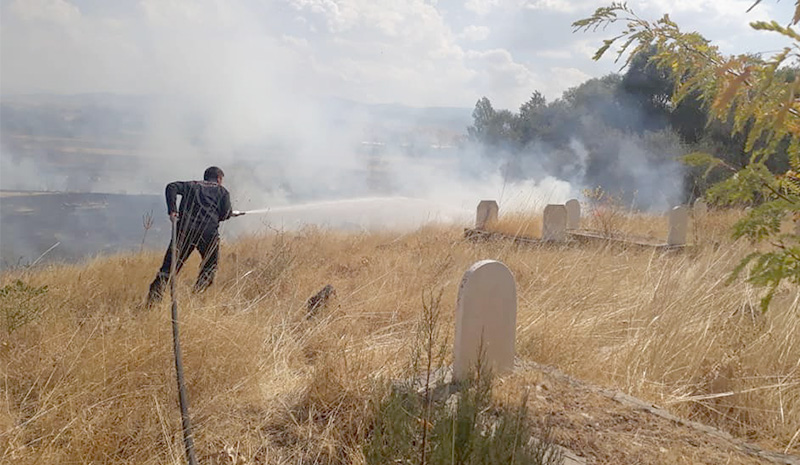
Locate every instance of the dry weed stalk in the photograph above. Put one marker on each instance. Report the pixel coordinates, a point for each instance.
(607, 212)
(147, 224)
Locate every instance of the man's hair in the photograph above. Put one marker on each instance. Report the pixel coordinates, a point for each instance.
(212, 174)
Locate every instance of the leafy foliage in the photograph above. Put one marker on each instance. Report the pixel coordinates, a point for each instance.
(760, 98)
(745, 187)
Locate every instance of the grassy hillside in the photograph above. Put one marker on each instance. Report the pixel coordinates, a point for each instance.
(87, 373)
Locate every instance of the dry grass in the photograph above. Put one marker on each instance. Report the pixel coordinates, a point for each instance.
(91, 380)
(518, 224)
(704, 229)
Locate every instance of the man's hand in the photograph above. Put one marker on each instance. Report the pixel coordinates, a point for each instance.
(173, 216)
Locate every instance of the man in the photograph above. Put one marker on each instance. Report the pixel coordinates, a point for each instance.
(203, 205)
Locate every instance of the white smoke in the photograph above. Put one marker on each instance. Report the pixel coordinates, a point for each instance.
(225, 84)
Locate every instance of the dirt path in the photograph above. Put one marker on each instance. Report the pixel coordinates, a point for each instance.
(608, 427)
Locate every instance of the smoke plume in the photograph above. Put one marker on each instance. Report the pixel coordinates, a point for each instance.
(126, 102)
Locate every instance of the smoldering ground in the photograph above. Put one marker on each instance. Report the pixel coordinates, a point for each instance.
(359, 185)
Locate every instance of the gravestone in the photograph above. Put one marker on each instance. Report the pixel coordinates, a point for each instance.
(487, 213)
(573, 214)
(554, 223)
(700, 207)
(678, 225)
(486, 319)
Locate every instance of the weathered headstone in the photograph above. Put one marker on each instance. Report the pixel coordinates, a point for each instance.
(700, 207)
(486, 319)
(554, 223)
(487, 213)
(573, 214)
(678, 225)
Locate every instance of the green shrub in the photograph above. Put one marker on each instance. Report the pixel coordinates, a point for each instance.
(19, 304)
(464, 429)
(429, 422)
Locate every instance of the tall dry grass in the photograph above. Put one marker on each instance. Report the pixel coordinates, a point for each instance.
(619, 221)
(91, 379)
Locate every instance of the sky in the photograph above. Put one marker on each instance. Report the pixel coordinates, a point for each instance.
(412, 52)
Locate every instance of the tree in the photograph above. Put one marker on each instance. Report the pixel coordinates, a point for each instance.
(493, 128)
(482, 117)
(761, 100)
(649, 89)
(534, 105)
(531, 118)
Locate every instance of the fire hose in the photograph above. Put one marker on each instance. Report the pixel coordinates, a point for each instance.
(183, 399)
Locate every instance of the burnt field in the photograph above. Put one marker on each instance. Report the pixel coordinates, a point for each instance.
(79, 171)
(82, 224)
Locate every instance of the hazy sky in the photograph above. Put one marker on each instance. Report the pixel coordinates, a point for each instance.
(414, 52)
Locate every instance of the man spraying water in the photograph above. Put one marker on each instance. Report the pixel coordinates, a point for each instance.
(203, 205)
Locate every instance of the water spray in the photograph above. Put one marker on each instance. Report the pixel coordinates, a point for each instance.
(315, 205)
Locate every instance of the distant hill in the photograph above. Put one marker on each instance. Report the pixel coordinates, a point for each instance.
(117, 116)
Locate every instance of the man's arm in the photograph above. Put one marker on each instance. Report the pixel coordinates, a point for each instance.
(172, 192)
(225, 210)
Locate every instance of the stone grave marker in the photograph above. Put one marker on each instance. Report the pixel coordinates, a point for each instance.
(700, 207)
(678, 225)
(486, 319)
(573, 214)
(554, 223)
(487, 213)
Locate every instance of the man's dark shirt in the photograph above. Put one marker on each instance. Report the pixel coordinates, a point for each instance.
(203, 204)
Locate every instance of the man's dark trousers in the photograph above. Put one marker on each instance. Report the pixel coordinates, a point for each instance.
(206, 241)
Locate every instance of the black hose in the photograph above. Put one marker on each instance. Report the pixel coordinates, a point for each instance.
(183, 399)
